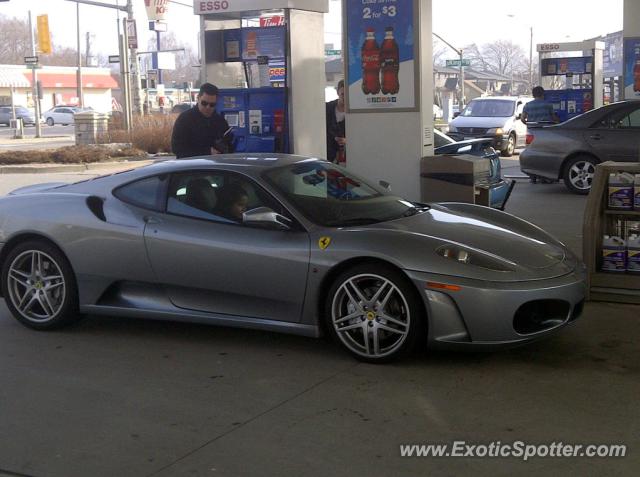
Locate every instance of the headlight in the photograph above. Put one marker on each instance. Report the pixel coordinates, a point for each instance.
(453, 129)
(475, 258)
(495, 132)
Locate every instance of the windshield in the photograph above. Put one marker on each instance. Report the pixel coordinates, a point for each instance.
(330, 196)
(490, 108)
(23, 111)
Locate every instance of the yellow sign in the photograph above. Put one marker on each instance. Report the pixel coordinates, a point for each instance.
(324, 242)
(44, 37)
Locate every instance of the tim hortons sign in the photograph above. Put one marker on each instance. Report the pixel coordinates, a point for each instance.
(156, 9)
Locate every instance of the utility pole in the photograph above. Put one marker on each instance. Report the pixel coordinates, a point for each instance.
(79, 76)
(531, 59)
(133, 69)
(34, 78)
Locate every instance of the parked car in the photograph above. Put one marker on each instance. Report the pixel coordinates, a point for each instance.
(497, 117)
(6, 115)
(316, 249)
(61, 115)
(182, 107)
(500, 188)
(571, 150)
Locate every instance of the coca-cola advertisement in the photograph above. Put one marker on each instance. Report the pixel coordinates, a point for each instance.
(632, 68)
(380, 55)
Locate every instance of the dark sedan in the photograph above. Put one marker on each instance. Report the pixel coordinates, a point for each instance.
(571, 150)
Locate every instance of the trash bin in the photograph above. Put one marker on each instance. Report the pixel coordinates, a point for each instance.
(90, 126)
(18, 127)
(462, 178)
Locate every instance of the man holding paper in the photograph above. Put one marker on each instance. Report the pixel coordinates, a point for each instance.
(201, 131)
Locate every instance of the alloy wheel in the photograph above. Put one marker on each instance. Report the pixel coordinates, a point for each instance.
(370, 315)
(581, 175)
(36, 286)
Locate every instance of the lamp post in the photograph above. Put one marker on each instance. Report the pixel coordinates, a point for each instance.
(459, 52)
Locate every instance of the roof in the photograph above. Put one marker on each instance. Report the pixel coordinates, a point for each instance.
(13, 77)
(68, 80)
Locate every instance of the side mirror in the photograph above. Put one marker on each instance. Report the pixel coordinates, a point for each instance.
(266, 217)
(385, 185)
(456, 114)
(518, 117)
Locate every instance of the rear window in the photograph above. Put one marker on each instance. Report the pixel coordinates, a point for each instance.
(146, 193)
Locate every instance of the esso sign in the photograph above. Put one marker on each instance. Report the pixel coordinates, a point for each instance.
(156, 9)
(211, 6)
(548, 47)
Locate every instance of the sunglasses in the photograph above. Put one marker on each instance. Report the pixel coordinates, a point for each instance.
(205, 104)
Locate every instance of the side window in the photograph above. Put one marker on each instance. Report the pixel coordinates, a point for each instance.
(220, 196)
(630, 120)
(146, 193)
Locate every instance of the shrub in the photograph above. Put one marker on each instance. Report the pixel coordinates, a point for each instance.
(150, 133)
(70, 155)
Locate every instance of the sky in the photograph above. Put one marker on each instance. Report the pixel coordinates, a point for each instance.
(460, 22)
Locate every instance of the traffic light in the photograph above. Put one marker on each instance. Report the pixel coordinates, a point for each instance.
(44, 37)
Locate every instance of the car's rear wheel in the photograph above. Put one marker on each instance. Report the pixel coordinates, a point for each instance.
(50, 121)
(39, 286)
(578, 174)
(511, 146)
(375, 313)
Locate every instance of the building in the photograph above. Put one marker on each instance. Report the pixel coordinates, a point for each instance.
(59, 86)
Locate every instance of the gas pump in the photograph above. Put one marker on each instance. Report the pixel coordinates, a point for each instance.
(582, 77)
(267, 59)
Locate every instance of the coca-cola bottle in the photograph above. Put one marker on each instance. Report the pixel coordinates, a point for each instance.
(389, 63)
(636, 77)
(370, 64)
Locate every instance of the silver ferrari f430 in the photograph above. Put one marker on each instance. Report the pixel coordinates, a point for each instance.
(283, 243)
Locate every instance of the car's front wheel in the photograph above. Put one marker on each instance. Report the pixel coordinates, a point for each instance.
(50, 121)
(39, 286)
(578, 174)
(510, 147)
(375, 313)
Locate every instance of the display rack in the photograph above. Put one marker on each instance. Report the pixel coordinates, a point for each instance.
(600, 221)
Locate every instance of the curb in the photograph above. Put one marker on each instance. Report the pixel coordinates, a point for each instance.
(45, 168)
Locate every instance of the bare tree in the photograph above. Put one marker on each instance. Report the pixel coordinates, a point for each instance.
(185, 60)
(473, 53)
(440, 51)
(16, 41)
(16, 44)
(504, 57)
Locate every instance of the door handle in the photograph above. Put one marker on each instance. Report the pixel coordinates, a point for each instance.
(150, 219)
(597, 137)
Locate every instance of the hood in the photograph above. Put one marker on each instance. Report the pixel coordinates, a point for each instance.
(479, 122)
(528, 251)
(32, 189)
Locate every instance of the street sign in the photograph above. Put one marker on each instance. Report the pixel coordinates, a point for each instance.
(114, 58)
(332, 52)
(452, 63)
(130, 32)
(33, 66)
(157, 26)
(30, 60)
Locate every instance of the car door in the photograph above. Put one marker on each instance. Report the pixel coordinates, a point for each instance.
(5, 115)
(617, 136)
(210, 263)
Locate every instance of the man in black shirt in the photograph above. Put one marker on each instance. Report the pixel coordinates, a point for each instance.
(201, 131)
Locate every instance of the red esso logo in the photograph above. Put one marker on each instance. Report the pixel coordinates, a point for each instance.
(214, 6)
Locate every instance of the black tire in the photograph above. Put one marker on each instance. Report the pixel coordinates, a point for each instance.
(50, 122)
(41, 295)
(511, 146)
(578, 174)
(398, 300)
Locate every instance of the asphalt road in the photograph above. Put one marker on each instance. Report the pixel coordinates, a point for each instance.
(113, 396)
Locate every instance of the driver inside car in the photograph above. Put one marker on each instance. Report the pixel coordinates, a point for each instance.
(232, 202)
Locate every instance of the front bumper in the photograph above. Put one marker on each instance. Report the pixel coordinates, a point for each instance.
(484, 314)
